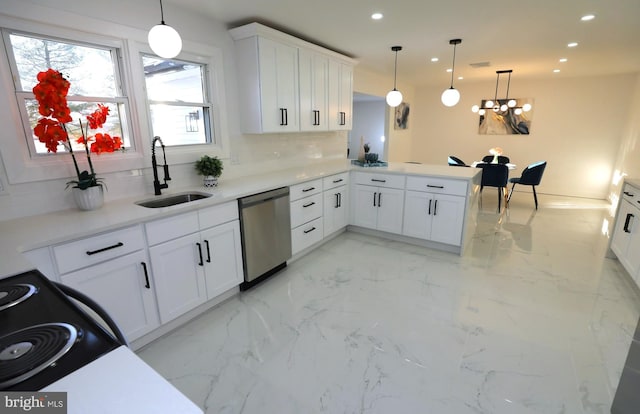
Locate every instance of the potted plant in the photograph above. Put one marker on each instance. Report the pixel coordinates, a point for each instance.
(54, 129)
(210, 168)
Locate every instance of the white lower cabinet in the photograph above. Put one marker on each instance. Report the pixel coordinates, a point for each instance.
(378, 208)
(436, 217)
(306, 215)
(178, 275)
(195, 267)
(123, 287)
(336, 203)
(625, 241)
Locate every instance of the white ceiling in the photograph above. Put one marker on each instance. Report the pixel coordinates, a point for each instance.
(527, 36)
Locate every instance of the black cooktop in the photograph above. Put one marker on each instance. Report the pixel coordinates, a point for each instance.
(44, 335)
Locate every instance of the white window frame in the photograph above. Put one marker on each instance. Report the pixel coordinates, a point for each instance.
(212, 57)
(21, 165)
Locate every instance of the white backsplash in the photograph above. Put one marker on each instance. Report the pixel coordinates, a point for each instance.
(250, 155)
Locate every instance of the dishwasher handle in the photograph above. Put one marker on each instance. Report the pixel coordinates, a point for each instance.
(262, 197)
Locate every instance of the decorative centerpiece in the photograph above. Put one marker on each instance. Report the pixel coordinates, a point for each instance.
(495, 151)
(51, 94)
(211, 168)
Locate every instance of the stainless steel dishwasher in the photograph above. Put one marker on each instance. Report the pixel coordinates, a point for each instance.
(265, 226)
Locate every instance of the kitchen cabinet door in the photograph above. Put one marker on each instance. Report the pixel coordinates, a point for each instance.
(365, 210)
(390, 209)
(417, 219)
(436, 217)
(623, 230)
(178, 272)
(278, 66)
(340, 96)
(336, 206)
(378, 208)
(447, 219)
(314, 73)
(124, 289)
(222, 255)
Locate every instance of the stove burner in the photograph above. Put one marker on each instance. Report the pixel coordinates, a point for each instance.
(26, 352)
(14, 294)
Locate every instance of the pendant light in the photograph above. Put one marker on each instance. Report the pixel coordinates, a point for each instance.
(164, 40)
(451, 96)
(507, 104)
(394, 97)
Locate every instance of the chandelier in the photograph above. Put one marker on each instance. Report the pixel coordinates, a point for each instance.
(501, 105)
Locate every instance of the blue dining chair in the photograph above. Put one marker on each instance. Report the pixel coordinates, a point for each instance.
(495, 175)
(531, 175)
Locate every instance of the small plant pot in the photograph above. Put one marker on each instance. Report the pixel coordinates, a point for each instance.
(210, 181)
(90, 198)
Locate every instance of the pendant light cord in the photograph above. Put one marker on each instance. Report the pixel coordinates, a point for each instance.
(161, 13)
(453, 66)
(395, 71)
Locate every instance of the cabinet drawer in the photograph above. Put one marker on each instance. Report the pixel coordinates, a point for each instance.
(91, 250)
(380, 180)
(306, 235)
(336, 180)
(305, 189)
(437, 185)
(222, 213)
(305, 210)
(172, 227)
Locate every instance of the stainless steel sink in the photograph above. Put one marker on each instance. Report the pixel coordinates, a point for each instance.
(172, 200)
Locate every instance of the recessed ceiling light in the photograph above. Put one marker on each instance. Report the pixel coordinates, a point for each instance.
(377, 16)
(563, 60)
(449, 70)
(587, 17)
(434, 59)
(572, 44)
(556, 71)
(460, 77)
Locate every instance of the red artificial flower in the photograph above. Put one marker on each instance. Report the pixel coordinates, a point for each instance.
(105, 143)
(99, 117)
(51, 133)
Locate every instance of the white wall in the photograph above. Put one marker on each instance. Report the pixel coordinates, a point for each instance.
(368, 123)
(248, 154)
(577, 126)
(628, 159)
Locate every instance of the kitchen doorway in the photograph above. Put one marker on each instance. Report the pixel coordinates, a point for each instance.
(369, 117)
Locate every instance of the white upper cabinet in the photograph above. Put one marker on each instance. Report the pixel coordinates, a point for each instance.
(314, 77)
(289, 85)
(340, 96)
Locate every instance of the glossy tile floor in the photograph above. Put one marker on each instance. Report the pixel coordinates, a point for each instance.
(532, 319)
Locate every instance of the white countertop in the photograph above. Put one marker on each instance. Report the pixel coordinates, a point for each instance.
(20, 235)
(120, 382)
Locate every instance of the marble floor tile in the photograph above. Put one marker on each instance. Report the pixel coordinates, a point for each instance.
(533, 318)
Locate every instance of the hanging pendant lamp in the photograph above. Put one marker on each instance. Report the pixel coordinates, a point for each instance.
(451, 96)
(164, 40)
(394, 97)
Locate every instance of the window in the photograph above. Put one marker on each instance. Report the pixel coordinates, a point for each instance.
(180, 109)
(92, 70)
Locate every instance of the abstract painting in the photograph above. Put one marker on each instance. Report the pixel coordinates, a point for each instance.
(512, 121)
(402, 116)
